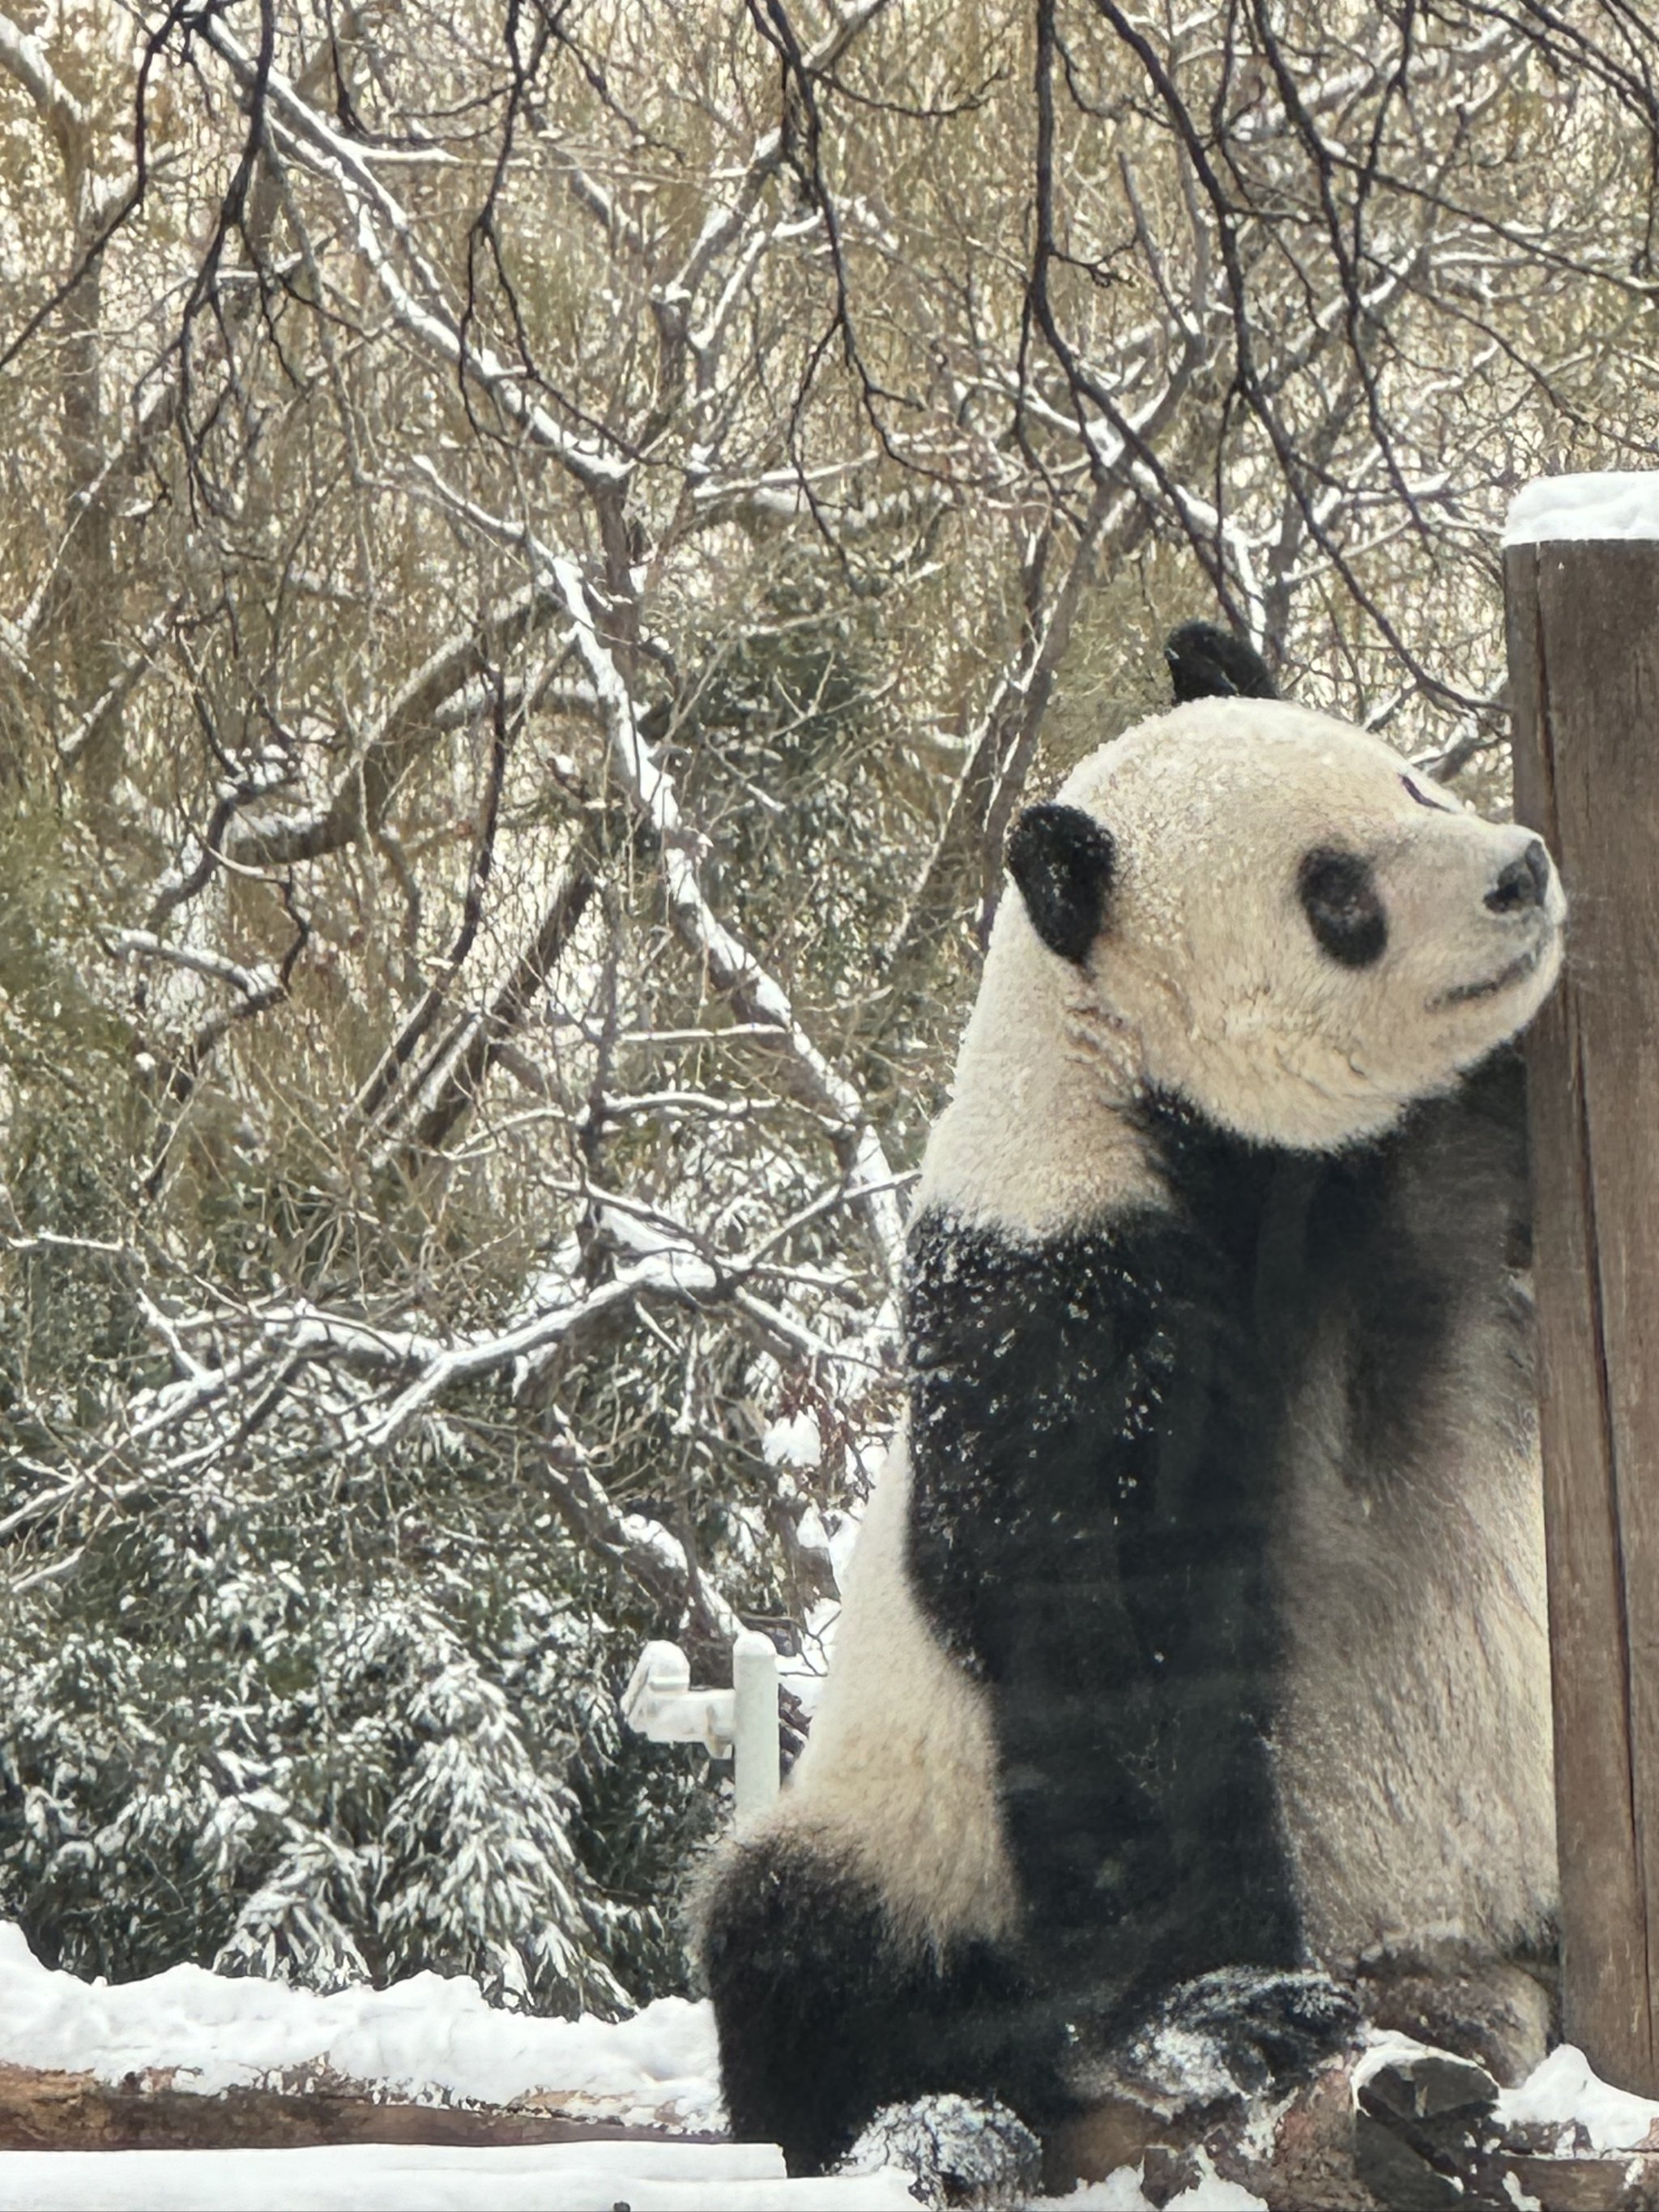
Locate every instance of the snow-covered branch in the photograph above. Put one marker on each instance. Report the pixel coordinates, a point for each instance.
(1000, 749)
(24, 57)
(251, 983)
(406, 727)
(732, 966)
(389, 242)
(669, 1273)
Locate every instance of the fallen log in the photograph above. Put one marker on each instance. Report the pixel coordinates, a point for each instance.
(43, 2110)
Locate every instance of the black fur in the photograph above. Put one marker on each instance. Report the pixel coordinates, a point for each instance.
(1062, 861)
(1093, 1451)
(1378, 1254)
(1096, 1432)
(1208, 662)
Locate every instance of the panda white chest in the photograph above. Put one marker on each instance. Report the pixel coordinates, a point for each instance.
(1413, 1748)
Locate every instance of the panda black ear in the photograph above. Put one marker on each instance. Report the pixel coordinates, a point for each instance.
(1208, 662)
(1062, 859)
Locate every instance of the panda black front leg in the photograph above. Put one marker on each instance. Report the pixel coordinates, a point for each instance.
(1093, 1492)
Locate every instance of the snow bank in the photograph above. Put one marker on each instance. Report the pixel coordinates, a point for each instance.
(1613, 504)
(1120, 2192)
(429, 2038)
(665, 2177)
(1564, 2091)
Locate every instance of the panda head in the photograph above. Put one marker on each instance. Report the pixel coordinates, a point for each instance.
(1263, 911)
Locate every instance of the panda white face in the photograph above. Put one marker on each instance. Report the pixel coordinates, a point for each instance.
(1282, 923)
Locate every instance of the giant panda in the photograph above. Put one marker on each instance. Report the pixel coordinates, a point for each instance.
(1191, 1690)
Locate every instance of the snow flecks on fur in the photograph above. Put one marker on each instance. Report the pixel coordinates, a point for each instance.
(1227, 2034)
(963, 2151)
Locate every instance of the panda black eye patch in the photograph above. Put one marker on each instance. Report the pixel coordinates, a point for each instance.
(1339, 897)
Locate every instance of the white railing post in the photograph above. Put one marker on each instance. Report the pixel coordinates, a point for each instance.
(753, 1724)
(740, 1723)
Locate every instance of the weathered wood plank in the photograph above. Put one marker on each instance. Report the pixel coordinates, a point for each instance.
(1584, 653)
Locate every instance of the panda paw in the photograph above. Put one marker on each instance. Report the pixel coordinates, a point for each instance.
(1236, 2033)
(963, 2151)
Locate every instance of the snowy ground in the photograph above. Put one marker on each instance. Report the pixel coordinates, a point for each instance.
(377, 2178)
(435, 2040)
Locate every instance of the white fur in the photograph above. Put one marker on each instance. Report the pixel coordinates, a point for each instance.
(899, 1773)
(1034, 1137)
(1208, 960)
(1415, 1749)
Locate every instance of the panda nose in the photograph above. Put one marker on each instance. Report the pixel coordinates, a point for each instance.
(1522, 884)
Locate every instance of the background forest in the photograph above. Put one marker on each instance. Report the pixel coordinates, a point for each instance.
(544, 545)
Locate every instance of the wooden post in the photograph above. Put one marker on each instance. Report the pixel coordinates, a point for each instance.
(1583, 657)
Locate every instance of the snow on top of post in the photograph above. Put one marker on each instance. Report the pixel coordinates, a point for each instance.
(1613, 503)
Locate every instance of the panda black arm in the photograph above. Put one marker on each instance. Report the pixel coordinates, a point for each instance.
(1091, 1506)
